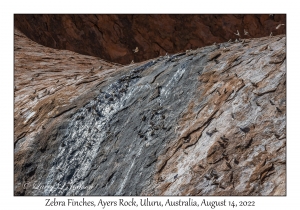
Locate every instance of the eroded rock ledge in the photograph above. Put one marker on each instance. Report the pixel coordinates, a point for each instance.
(113, 37)
(210, 121)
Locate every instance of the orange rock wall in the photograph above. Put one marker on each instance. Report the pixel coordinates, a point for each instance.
(113, 37)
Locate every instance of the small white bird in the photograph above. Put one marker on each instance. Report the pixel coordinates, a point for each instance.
(238, 33)
(269, 48)
(136, 50)
(132, 62)
(246, 33)
(271, 34)
(279, 26)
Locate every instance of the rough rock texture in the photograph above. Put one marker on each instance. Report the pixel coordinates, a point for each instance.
(48, 80)
(113, 37)
(211, 121)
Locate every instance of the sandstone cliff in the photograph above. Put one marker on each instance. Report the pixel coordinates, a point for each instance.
(210, 121)
(113, 37)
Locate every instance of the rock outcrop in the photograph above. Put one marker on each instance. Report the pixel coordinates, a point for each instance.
(114, 37)
(48, 80)
(210, 121)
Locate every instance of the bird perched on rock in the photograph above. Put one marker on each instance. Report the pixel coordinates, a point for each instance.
(246, 33)
(269, 48)
(279, 26)
(225, 49)
(238, 33)
(92, 70)
(136, 50)
(132, 62)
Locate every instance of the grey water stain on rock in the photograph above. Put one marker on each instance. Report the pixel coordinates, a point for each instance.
(157, 128)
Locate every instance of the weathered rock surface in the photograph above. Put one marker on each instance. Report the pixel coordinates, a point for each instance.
(211, 121)
(113, 37)
(47, 81)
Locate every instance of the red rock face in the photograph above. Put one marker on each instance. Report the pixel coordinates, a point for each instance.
(114, 37)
